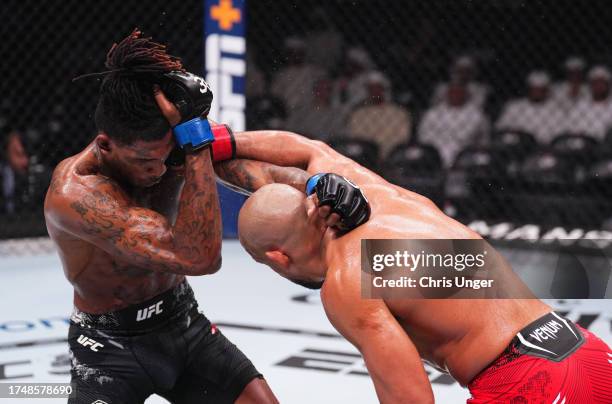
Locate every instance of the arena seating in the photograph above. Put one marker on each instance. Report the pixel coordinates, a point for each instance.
(417, 167)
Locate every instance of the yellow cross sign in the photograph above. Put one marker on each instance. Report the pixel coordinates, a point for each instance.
(225, 14)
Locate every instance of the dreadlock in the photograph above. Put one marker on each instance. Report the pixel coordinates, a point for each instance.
(127, 110)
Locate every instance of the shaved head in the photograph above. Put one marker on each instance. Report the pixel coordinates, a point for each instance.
(270, 218)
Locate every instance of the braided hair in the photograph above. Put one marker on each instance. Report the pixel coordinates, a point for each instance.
(126, 109)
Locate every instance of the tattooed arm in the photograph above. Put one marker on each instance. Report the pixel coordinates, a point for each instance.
(96, 210)
(164, 196)
(250, 175)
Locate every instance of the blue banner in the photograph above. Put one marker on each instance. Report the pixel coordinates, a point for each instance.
(225, 53)
(225, 65)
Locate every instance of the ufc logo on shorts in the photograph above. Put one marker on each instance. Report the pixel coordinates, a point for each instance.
(146, 313)
(88, 342)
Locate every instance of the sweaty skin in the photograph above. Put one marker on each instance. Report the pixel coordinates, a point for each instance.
(121, 245)
(131, 230)
(459, 336)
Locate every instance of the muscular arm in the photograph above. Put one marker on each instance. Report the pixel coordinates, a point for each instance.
(392, 360)
(250, 175)
(98, 211)
(290, 149)
(164, 196)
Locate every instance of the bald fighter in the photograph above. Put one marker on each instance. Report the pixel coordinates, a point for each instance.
(510, 351)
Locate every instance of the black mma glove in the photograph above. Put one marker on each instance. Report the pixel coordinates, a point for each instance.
(192, 97)
(344, 198)
(189, 93)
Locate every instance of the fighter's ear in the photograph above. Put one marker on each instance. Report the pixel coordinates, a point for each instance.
(104, 142)
(279, 259)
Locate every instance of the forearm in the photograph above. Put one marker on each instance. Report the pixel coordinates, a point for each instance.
(398, 374)
(403, 392)
(291, 150)
(197, 230)
(278, 147)
(250, 175)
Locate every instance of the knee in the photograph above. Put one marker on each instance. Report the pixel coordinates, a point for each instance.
(257, 392)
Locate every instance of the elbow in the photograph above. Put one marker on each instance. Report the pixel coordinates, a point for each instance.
(206, 267)
(215, 267)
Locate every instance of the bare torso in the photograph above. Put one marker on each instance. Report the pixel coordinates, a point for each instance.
(101, 281)
(458, 336)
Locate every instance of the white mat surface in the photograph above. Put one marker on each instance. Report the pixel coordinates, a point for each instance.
(257, 310)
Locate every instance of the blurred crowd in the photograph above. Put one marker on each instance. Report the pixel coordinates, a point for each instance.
(342, 94)
(475, 151)
(23, 180)
(541, 155)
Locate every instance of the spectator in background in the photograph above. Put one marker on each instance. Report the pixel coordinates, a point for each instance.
(13, 172)
(537, 114)
(324, 42)
(454, 124)
(463, 71)
(321, 119)
(380, 120)
(593, 116)
(350, 87)
(574, 89)
(294, 83)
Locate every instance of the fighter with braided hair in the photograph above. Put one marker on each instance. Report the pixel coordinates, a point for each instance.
(129, 229)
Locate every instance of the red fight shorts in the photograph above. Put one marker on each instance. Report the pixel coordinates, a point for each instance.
(551, 361)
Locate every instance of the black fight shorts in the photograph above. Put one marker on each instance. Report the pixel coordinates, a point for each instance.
(163, 346)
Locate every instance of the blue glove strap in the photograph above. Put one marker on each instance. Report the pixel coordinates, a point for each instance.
(312, 183)
(195, 132)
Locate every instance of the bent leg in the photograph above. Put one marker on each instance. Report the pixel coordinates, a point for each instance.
(257, 392)
(217, 372)
(106, 373)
